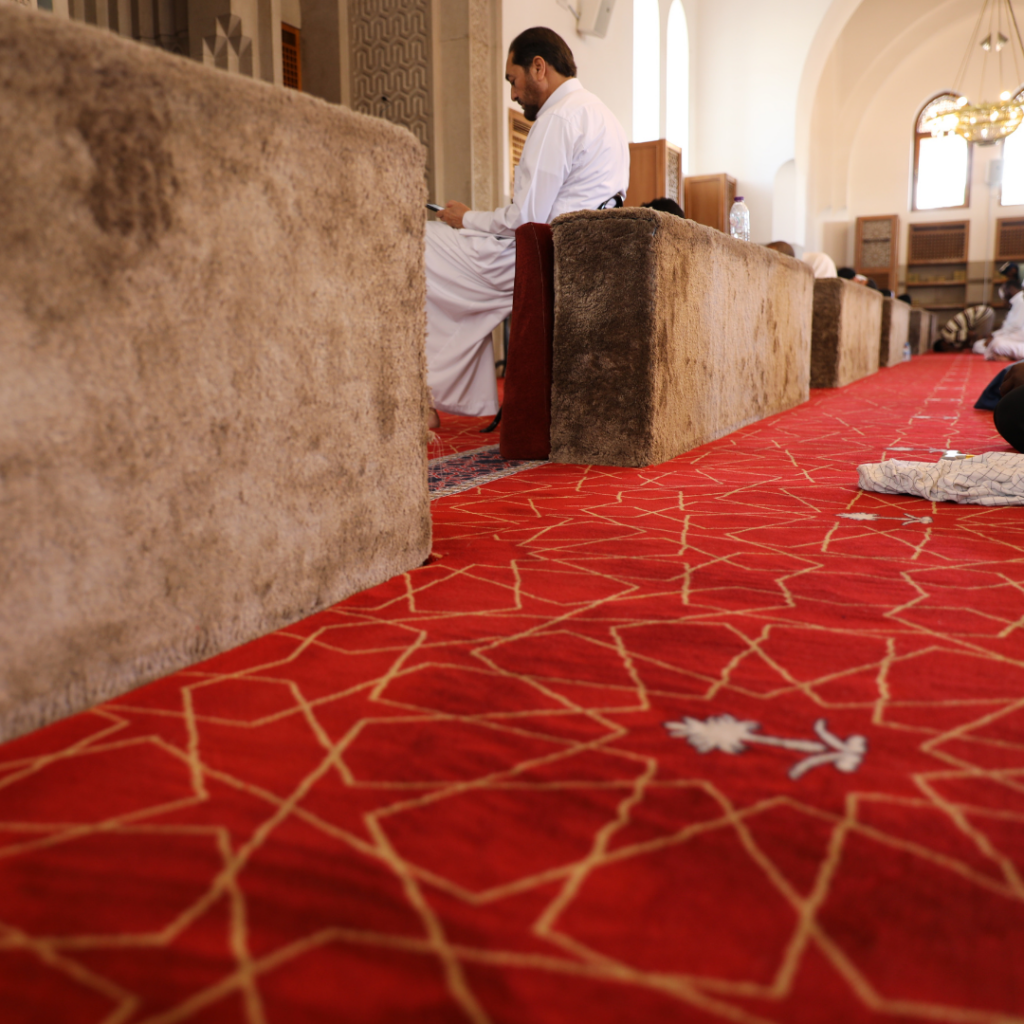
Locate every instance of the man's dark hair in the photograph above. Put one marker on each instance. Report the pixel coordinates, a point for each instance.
(542, 42)
(665, 205)
(846, 273)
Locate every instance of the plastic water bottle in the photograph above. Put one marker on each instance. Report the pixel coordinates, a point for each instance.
(906, 352)
(739, 220)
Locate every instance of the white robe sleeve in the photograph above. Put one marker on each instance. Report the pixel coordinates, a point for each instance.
(543, 168)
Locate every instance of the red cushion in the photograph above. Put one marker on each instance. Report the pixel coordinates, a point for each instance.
(526, 411)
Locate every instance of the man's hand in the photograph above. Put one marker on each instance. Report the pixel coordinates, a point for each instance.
(1014, 379)
(453, 213)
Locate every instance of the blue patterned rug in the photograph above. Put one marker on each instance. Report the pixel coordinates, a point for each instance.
(452, 474)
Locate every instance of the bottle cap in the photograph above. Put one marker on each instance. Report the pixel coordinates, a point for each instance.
(738, 199)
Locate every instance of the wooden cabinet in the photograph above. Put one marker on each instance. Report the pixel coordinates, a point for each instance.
(709, 197)
(655, 170)
(877, 245)
(937, 265)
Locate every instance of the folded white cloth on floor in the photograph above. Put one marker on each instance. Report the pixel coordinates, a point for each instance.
(994, 478)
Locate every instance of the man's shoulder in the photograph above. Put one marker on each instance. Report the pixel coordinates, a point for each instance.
(580, 106)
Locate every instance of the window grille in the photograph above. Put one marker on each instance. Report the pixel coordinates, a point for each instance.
(291, 57)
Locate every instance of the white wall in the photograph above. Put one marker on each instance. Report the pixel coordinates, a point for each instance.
(749, 58)
(871, 93)
(882, 153)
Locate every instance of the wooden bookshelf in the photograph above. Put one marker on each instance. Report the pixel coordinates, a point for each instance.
(937, 265)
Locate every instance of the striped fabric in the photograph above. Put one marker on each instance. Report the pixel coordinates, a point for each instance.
(958, 327)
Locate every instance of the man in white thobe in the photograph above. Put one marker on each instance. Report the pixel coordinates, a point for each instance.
(576, 157)
(1008, 341)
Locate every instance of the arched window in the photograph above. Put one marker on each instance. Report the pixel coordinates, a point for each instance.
(942, 163)
(646, 70)
(677, 79)
(1013, 165)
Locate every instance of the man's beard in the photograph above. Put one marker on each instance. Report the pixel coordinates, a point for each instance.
(528, 101)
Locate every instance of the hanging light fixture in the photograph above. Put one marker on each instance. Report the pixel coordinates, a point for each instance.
(987, 121)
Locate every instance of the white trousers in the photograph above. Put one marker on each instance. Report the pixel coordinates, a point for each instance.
(470, 277)
(1008, 343)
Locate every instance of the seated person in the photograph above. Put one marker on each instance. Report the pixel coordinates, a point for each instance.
(784, 247)
(1008, 341)
(821, 263)
(849, 274)
(1009, 413)
(1012, 285)
(968, 326)
(576, 157)
(665, 205)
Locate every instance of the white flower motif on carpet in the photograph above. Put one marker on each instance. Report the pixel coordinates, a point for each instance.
(870, 517)
(731, 736)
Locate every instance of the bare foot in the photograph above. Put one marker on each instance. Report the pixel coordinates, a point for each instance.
(433, 420)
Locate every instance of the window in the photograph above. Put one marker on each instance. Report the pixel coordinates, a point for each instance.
(677, 79)
(1013, 165)
(942, 163)
(646, 70)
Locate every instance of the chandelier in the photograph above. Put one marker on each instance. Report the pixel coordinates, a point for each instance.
(987, 121)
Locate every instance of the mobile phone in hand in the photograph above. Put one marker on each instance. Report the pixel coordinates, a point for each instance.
(434, 207)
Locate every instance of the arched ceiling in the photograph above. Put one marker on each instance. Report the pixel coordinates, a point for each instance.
(858, 44)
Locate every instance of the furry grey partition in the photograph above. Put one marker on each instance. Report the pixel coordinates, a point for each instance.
(920, 331)
(669, 334)
(212, 400)
(847, 328)
(895, 331)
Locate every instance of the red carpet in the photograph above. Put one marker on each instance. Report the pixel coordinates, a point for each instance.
(462, 433)
(454, 797)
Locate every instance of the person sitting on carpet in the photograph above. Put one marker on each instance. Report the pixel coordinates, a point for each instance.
(1009, 413)
(1012, 285)
(968, 326)
(1008, 341)
(849, 274)
(576, 157)
(665, 205)
(821, 263)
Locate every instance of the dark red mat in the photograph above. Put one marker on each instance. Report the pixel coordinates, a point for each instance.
(455, 798)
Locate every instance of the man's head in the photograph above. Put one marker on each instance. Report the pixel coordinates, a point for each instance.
(539, 61)
(784, 247)
(665, 205)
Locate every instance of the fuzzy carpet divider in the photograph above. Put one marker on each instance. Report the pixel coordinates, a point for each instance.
(723, 739)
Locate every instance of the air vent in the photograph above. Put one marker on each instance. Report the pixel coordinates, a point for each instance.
(1010, 238)
(938, 243)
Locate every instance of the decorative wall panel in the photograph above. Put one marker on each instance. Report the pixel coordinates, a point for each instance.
(484, 75)
(390, 55)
